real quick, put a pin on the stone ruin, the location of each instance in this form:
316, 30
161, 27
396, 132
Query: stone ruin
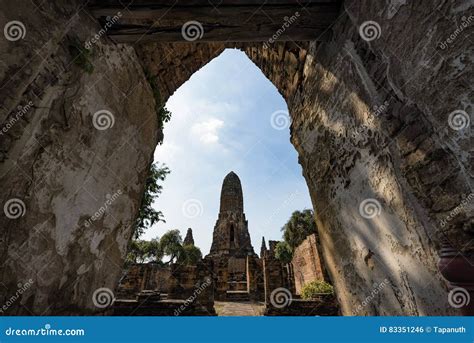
385, 119
232, 271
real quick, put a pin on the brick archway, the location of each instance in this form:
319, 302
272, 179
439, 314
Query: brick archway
364, 122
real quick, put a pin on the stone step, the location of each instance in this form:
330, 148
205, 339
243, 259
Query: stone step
237, 296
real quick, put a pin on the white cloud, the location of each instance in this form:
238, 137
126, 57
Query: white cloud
208, 131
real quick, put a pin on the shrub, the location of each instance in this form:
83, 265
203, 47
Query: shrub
312, 289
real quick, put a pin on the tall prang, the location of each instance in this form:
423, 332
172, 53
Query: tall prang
231, 236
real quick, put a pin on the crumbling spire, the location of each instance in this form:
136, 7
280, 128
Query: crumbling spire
263, 248
189, 240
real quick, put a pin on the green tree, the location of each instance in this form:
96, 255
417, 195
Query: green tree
300, 225
154, 250
172, 245
137, 251
141, 251
147, 215
190, 255
283, 252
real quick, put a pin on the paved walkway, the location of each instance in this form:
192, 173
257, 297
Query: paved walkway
234, 308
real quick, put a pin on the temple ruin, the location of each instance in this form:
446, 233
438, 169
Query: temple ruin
380, 118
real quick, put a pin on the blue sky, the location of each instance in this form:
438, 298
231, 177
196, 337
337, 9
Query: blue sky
228, 116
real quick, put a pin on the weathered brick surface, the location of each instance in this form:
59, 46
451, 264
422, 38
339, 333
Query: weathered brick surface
406, 156
306, 263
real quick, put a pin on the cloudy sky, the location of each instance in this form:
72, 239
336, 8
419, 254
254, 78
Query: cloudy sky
228, 116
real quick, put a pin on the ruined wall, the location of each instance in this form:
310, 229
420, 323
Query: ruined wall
306, 263
371, 126
67, 200
370, 121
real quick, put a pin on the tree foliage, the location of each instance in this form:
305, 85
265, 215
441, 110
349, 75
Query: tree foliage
190, 255
172, 245
300, 225
283, 252
147, 215
141, 251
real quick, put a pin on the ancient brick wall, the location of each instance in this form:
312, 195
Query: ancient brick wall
405, 155
60, 166
306, 263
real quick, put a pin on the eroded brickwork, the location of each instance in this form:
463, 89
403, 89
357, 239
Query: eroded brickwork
307, 263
